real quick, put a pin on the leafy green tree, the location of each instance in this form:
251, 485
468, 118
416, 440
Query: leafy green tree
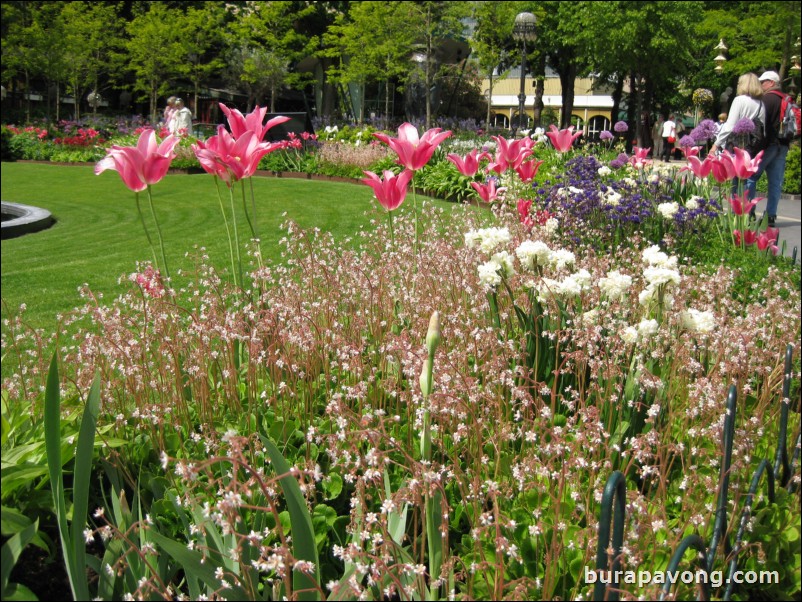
431, 23
200, 32
155, 52
22, 45
269, 38
89, 34
370, 43
491, 41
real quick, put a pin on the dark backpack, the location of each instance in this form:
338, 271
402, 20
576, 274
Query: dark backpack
789, 125
756, 139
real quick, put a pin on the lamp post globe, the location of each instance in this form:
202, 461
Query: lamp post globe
524, 30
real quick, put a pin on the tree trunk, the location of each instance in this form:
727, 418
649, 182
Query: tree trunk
567, 79
489, 101
618, 91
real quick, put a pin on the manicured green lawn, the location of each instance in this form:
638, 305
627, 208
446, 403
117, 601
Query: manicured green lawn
98, 236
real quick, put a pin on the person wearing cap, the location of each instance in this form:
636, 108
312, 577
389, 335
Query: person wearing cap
773, 162
182, 122
747, 105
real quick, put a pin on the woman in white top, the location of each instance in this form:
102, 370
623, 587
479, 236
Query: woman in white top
748, 104
669, 131
182, 121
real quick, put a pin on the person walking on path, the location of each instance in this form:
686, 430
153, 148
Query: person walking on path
774, 155
669, 136
748, 104
657, 137
182, 121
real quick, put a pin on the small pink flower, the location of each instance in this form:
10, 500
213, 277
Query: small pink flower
252, 122
701, 169
390, 191
141, 165
488, 191
640, 159
150, 281
745, 166
413, 151
467, 166
741, 206
562, 140
527, 170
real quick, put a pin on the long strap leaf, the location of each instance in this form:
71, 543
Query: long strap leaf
303, 535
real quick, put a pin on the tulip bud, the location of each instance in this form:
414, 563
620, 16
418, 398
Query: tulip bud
426, 378
433, 334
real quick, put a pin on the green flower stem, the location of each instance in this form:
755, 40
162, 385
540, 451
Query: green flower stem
158, 232
145, 227
236, 237
228, 230
392, 235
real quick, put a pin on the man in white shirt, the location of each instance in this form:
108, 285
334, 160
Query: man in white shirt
669, 137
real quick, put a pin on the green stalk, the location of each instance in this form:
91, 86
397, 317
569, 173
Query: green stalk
228, 231
236, 237
145, 227
159, 232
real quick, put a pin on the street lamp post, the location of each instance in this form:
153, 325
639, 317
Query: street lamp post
523, 31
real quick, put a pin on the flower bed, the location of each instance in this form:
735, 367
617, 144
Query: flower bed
434, 413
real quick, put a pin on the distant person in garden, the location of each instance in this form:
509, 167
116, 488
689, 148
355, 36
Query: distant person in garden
183, 119
657, 137
669, 136
722, 119
775, 151
169, 113
748, 104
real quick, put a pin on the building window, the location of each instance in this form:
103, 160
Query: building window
596, 126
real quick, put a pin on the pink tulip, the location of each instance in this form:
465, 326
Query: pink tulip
467, 166
745, 166
231, 159
392, 190
488, 191
141, 165
741, 206
768, 239
524, 207
701, 169
509, 153
690, 151
413, 152
641, 158
562, 139
528, 170
252, 122
723, 167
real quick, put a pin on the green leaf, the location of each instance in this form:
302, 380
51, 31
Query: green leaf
11, 551
303, 536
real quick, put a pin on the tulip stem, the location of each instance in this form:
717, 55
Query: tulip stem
145, 227
228, 230
158, 232
236, 238
392, 235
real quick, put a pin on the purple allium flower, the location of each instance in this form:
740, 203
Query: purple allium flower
605, 135
620, 126
619, 161
687, 141
706, 130
744, 126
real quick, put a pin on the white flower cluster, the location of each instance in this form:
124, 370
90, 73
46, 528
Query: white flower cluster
615, 284
570, 286
698, 321
661, 275
643, 331
487, 239
604, 171
693, 203
668, 210
500, 266
610, 197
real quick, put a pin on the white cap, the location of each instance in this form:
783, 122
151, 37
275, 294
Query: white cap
770, 75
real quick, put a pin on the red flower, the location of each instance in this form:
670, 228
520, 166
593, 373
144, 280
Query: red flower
141, 165
413, 152
392, 190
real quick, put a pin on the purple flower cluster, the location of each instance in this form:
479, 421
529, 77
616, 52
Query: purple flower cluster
743, 126
620, 126
687, 141
619, 161
706, 130
578, 201
606, 135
